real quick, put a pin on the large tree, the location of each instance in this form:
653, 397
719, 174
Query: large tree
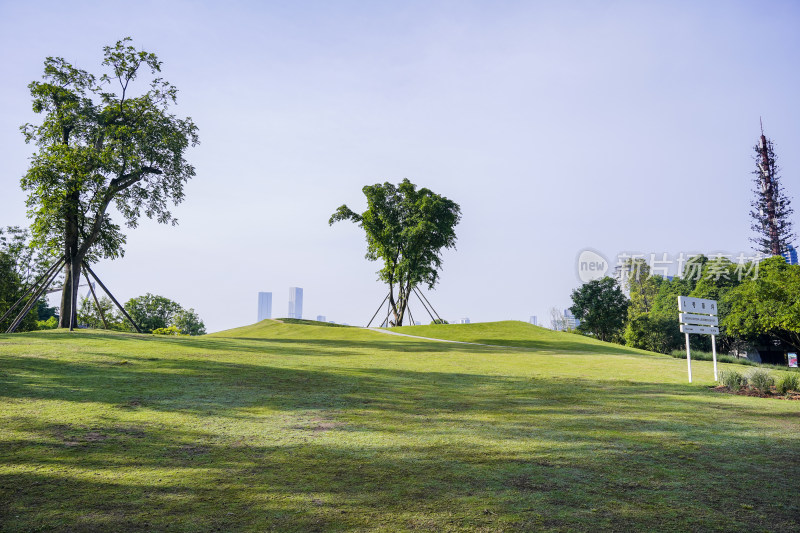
102, 143
406, 228
767, 304
601, 308
772, 209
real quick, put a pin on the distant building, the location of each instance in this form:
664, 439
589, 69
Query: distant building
567, 323
264, 306
464, 321
295, 302
532, 320
321, 318
790, 255
570, 321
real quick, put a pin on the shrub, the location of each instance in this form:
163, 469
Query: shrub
50, 323
698, 355
172, 330
761, 380
733, 380
789, 382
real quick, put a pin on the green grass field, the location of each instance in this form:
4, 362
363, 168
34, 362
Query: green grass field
293, 427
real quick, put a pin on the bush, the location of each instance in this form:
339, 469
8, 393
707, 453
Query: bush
761, 380
172, 330
50, 323
698, 355
789, 382
733, 380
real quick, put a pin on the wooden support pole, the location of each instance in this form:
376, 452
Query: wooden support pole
388, 312
378, 311
32, 302
419, 292
96, 301
426, 309
124, 312
33, 287
408, 308
73, 308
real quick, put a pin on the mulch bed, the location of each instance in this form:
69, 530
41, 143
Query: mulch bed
791, 395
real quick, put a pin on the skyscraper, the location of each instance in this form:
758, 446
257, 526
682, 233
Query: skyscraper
295, 302
532, 320
570, 321
264, 305
790, 255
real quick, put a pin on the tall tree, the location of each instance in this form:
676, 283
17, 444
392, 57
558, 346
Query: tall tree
99, 144
407, 229
601, 308
771, 208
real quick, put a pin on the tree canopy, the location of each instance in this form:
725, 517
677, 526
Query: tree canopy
102, 143
601, 307
406, 228
767, 305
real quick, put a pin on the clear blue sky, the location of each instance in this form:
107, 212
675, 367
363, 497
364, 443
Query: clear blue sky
556, 126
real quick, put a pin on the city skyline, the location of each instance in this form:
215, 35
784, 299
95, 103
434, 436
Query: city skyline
550, 124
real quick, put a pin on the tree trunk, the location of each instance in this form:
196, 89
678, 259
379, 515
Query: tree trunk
68, 313
398, 307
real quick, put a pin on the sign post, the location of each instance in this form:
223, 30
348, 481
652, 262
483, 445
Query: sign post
699, 316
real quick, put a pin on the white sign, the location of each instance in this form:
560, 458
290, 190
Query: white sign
699, 316
703, 330
700, 320
697, 305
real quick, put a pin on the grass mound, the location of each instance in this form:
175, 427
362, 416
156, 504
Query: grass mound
518, 334
292, 427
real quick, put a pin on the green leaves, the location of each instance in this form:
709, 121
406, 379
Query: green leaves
601, 307
101, 142
768, 305
407, 229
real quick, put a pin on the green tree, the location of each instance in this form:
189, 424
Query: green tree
90, 316
407, 229
601, 308
720, 275
188, 322
100, 145
767, 305
152, 311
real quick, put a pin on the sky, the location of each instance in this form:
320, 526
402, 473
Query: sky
620, 127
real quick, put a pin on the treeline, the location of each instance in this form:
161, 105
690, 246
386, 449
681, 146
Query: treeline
21, 265
759, 305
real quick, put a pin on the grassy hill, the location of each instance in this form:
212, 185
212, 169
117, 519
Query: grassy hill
295, 427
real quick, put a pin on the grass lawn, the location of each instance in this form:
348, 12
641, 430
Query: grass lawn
294, 427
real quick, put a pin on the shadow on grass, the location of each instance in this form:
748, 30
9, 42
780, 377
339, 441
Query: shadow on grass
344, 449
405, 450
